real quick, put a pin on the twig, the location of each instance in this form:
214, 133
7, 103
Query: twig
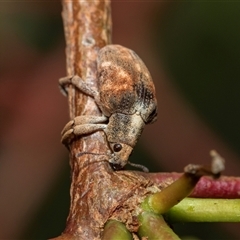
87, 26
97, 192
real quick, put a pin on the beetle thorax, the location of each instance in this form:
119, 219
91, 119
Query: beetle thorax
123, 128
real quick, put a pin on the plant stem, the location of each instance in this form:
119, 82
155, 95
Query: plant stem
205, 210
87, 27
162, 201
154, 227
116, 230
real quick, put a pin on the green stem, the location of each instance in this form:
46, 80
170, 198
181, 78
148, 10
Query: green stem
205, 210
162, 201
116, 230
153, 227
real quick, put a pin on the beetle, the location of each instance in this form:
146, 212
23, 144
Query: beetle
126, 97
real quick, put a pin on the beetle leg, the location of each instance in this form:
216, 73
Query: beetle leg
78, 83
83, 120
63, 82
82, 125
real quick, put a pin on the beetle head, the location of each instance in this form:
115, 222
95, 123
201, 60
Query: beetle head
122, 134
120, 155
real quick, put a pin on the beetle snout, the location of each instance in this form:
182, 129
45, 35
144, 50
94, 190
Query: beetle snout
116, 166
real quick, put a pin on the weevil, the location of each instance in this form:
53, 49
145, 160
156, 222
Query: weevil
126, 97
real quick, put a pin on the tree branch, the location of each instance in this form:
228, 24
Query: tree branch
97, 192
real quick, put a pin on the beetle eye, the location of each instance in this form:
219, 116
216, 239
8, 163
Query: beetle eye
117, 147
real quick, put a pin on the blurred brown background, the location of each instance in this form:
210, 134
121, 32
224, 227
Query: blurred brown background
193, 52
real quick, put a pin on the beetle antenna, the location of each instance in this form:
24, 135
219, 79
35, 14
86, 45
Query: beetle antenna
145, 169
